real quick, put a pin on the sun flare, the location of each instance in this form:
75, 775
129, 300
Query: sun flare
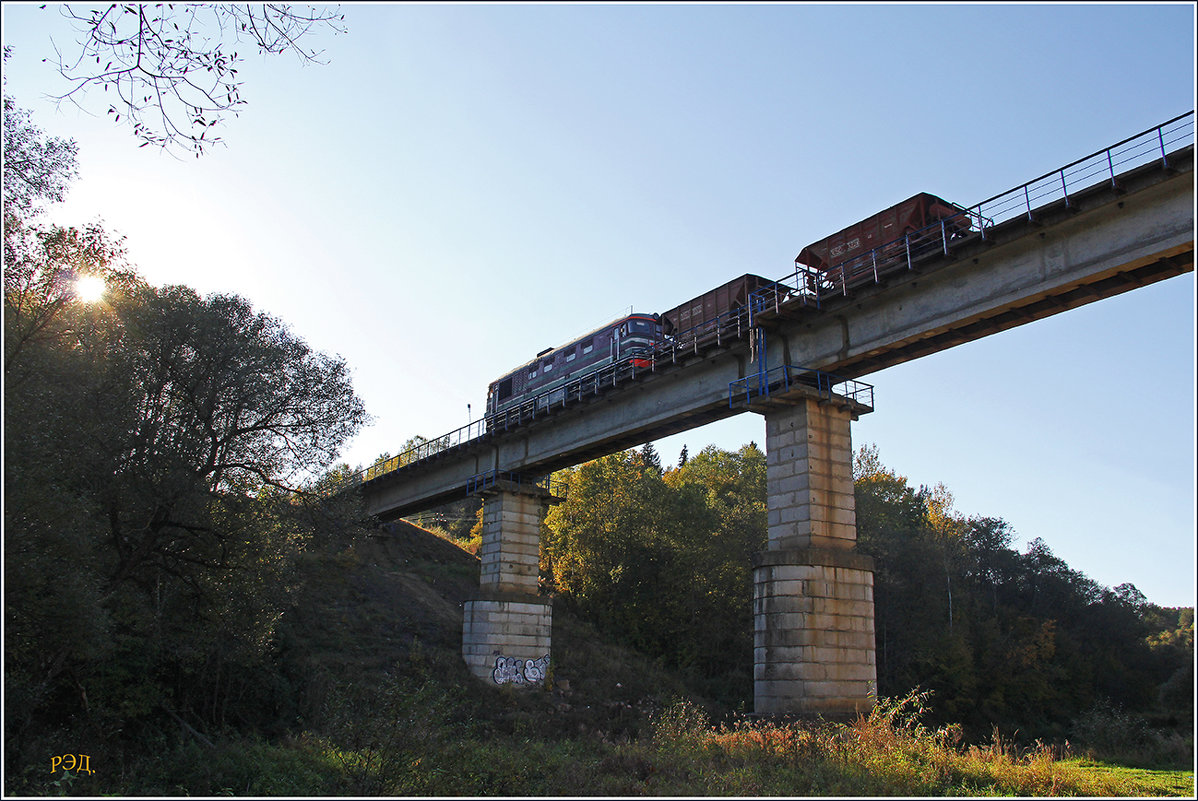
90, 288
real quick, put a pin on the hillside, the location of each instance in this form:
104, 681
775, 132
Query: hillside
372, 643
391, 606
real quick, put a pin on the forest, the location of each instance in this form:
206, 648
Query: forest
659, 560
193, 606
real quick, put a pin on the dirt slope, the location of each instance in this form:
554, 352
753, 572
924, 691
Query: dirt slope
397, 597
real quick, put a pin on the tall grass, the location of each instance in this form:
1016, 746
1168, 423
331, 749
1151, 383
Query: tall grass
888, 752
412, 735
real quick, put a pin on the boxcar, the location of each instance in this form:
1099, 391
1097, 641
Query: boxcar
630, 338
895, 222
703, 313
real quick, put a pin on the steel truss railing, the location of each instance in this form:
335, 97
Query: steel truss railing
810, 286
782, 379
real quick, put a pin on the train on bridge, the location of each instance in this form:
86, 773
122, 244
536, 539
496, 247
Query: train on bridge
887, 244
634, 340
637, 341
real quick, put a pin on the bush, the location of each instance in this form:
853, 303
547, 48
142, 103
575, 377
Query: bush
1110, 733
1106, 729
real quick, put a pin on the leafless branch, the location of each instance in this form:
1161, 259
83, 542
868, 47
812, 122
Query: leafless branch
173, 67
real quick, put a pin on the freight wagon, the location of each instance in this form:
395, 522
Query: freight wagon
716, 312
887, 235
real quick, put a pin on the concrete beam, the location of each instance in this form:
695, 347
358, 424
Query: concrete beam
1106, 242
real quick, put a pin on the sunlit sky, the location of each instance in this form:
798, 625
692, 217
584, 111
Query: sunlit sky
462, 186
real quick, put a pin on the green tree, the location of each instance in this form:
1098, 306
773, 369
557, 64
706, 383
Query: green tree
1002, 637
37, 168
174, 441
893, 526
164, 456
661, 560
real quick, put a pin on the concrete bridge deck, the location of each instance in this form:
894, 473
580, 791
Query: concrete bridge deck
1134, 230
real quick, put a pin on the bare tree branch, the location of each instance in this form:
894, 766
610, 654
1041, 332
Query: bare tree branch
173, 67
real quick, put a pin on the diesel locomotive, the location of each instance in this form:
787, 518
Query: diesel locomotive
630, 338
633, 340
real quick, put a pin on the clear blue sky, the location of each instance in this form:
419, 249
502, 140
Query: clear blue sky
466, 185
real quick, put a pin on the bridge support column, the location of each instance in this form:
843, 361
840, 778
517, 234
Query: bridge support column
506, 629
813, 603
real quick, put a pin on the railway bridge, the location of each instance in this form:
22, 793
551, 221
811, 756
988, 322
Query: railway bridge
1113, 221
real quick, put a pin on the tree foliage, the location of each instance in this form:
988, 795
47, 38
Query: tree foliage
37, 168
1001, 636
164, 456
660, 560
172, 68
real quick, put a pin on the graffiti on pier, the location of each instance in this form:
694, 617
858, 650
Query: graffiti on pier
509, 670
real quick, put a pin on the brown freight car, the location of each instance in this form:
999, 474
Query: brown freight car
713, 309
885, 227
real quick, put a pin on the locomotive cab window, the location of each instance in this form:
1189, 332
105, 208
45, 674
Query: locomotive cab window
570, 356
505, 389
587, 348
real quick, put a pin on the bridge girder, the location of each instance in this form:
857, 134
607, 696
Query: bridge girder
1107, 240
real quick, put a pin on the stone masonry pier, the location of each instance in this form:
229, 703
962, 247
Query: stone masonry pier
813, 608
506, 630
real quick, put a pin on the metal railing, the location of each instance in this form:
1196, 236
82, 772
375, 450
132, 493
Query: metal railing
809, 286
1152, 145
781, 379
481, 481
1060, 185
424, 450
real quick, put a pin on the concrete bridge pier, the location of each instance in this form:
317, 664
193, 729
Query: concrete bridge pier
813, 609
506, 629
